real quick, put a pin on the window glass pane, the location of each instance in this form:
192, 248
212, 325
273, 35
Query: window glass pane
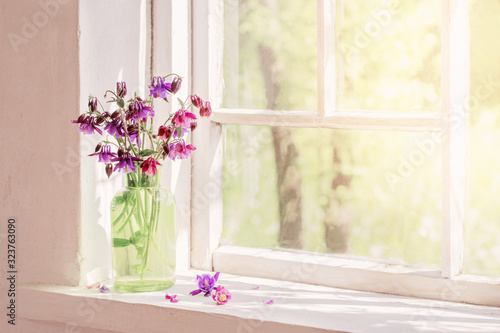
270, 54
388, 55
482, 248
366, 193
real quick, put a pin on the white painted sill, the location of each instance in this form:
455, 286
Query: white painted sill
297, 308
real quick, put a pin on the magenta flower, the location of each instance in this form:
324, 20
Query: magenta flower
269, 302
137, 110
149, 166
221, 295
164, 132
183, 118
115, 128
172, 299
206, 284
159, 88
87, 125
206, 110
196, 101
125, 162
105, 154
180, 150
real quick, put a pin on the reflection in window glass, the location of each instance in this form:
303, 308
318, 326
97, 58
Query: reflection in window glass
482, 248
388, 55
270, 54
366, 193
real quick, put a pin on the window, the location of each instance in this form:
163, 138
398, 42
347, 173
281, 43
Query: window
341, 137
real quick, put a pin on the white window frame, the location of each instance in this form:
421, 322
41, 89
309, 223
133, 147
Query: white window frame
335, 271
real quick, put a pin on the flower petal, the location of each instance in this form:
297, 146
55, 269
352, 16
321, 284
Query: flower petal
195, 292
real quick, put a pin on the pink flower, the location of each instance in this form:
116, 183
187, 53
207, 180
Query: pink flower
183, 118
149, 166
180, 150
164, 132
221, 295
172, 299
268, 302
196, 101
206, 110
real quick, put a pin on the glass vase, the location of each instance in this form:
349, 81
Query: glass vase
143, 235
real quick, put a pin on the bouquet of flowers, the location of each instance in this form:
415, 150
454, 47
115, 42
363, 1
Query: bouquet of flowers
143, 214
131, 127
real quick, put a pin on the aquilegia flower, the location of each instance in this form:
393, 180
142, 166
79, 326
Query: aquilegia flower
196, 101
115, 128
180, 150
183, 118
105, 154
92, 104
125, 162
149, 166
87, 125
138, 111
206, 110
206, 283
121, 89
159, 88
221, 295
164, 132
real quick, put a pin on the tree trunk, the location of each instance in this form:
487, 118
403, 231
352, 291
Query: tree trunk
338, 217
289, 178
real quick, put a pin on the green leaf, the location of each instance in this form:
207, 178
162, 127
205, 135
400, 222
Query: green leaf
118, 200
120, 242
147, 152
120, 102
181, 103
179, 132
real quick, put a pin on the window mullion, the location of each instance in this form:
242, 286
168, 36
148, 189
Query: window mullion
326, 56
455, 88
206, 188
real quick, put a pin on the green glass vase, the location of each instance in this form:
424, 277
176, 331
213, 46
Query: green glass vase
143, 235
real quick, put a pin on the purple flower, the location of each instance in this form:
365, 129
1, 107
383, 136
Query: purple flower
206, 283
175, 86
104, 289
180, 150
115, 128
125, 162
137, 110
87, 125
105, 154
121, 89
133, 133
183, 118
92, 104
159, 88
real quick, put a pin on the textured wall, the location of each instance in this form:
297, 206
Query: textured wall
40, 182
